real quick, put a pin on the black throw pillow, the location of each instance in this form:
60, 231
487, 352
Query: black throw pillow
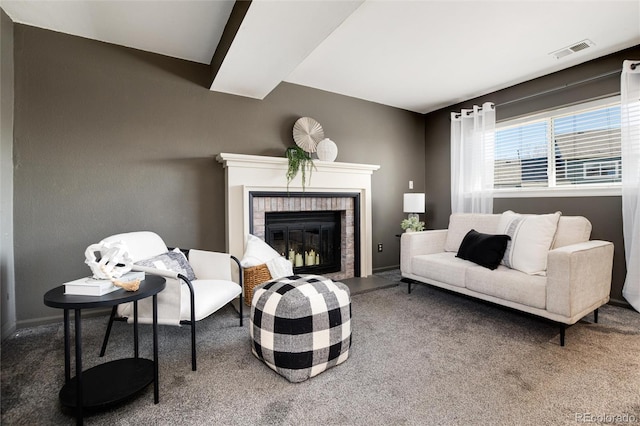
484, 249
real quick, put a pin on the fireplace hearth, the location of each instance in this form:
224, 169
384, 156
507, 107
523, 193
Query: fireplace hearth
309, 239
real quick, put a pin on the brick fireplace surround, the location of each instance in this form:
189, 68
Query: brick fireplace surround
347, 204
250, 179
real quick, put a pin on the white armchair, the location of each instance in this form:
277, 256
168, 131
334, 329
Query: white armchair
184, 301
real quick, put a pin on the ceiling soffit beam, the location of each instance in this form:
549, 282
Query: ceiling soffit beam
273, 38
231, 28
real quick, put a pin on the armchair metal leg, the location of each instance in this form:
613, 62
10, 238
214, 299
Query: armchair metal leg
192, 322
193, 346
241, 282
108, 332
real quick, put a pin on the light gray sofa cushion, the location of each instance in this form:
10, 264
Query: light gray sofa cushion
445, 267
509, 284
572, 230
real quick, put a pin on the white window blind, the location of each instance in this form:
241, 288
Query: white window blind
569, 148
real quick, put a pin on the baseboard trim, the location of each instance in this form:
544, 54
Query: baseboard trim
87, 313
385, 268
8, 330
620, 303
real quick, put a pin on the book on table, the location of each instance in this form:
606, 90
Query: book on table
89, 286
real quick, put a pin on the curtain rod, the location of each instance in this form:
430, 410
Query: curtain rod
566, 86
469, 111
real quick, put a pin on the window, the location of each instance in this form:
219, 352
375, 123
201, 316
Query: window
572, 148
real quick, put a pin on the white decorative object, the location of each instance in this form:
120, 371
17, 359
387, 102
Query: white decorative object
307, 132
114, 260
327, 150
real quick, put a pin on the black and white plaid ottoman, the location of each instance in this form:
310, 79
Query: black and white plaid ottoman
301, 325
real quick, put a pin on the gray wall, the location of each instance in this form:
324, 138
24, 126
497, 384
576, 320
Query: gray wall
7, 282
110, 139
605, 213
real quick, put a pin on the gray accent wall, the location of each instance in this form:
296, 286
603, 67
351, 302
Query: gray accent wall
7, 276
574, 85
109, 139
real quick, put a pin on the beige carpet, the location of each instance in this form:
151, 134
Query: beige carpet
426, 358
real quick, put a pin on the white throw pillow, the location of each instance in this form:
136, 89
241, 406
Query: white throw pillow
531, 239
170, 261
257, 252
461, 223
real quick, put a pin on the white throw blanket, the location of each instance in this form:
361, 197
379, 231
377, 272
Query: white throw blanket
279, 267
258, 252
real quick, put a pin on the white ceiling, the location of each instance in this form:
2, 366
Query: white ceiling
415, 55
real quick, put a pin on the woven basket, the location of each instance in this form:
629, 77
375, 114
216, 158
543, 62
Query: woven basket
253, 277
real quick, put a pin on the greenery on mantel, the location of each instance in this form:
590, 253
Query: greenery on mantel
299, 161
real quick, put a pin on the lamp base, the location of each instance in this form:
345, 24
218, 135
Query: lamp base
414, 215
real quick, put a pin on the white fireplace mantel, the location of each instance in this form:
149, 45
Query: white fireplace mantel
254, 173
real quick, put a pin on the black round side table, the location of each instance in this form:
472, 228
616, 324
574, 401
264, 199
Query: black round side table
112, 382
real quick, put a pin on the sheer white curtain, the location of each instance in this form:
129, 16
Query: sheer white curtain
472, 159
630, 122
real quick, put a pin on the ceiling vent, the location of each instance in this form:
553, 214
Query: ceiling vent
581, 45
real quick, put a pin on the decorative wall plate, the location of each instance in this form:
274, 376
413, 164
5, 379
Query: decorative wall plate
307, 132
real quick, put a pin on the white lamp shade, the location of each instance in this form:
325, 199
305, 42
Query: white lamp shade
414, 203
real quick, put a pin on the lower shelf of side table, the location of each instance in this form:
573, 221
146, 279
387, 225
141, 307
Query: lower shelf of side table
109, 383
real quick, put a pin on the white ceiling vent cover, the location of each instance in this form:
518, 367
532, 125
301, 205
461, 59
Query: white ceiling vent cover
581, 45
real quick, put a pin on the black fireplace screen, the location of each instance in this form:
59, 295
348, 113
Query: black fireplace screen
310, 240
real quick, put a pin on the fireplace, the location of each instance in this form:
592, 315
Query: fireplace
256, 185
324, 212
310, 240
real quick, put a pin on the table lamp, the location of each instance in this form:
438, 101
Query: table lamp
413, 204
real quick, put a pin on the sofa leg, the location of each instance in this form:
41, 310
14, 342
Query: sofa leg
595, 316
562, 330
408, 281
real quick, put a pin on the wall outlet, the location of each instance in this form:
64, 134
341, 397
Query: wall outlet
379, 247
410, 184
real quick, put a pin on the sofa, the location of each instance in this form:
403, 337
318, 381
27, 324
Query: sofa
572, 276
